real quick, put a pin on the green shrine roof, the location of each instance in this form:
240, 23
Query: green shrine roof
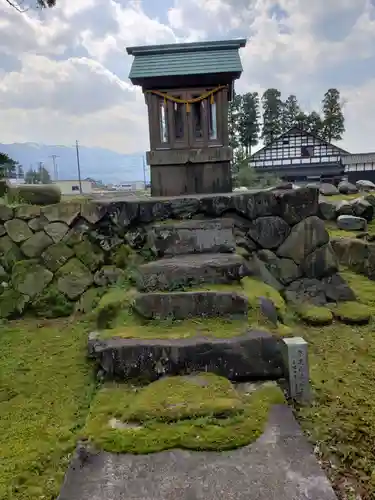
180, 59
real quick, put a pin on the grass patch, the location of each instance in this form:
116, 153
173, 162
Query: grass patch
202, 431
342, 418
352, 196
115, 318
45, 392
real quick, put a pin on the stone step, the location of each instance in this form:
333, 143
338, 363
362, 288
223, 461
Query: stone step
193, 236
253, 355
183, 305
190, 270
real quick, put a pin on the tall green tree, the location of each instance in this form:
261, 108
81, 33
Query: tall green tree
290, 112
8, 167
40, 4
234, 113
314, 123
272, 115
249, 122
333, 117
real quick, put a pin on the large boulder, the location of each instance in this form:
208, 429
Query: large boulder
36, 194
364, 185
304, 238
90, 254
351, 252
62, 212
35, 246
321, 262
284, 270
362, 208
269, 232
108, 275
38, 223
9, 252
351, 223
30, 278
27, 212
73, 279
297, 204
327, 189
337, 289
344, 207
18, 230
327, 209
346, 187
310, 290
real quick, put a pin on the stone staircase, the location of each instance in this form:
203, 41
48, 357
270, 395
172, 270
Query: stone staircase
197, 274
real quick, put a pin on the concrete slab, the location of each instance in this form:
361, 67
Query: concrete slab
280, 465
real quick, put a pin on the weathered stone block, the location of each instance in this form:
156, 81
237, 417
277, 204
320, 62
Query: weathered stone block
9, 252
321, 262
30, 278
346, 187
284, 270
337, 289
62, 212
327, 210
38, 223
88, 253
255, 204
18, 230
27, 212
181, 305
77, 233
56, 230
35, 246
343, 207
304, 238
188, 270
184, 208
188, 237
92, 212
253, 355
56, 256
298, 204
362, 208
327, 189
258, 268
2, 230
6, 213
269, 232
73, 279
306, 290
352, 252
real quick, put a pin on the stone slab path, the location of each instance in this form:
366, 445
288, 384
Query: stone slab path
280, 465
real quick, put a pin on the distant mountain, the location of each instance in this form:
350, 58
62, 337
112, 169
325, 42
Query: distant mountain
97, 163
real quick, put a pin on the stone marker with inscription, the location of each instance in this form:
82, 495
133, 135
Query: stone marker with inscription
297, 369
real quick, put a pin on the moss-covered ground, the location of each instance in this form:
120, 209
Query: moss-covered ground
339, 197
335, 232
46, 388
47, 392
199, 412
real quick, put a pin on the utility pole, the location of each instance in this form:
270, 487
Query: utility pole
40, 172
144, 171
55, 173
78, 168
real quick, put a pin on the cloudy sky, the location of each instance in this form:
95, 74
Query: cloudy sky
64, 73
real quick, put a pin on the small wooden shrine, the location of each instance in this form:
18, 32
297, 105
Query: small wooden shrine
187, 88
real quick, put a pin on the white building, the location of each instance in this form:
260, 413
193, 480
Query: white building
72, 187
130, 186
360, 166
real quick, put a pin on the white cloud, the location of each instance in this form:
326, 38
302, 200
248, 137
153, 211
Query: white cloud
64, 72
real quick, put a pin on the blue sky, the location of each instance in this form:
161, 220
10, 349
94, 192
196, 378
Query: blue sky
64, 73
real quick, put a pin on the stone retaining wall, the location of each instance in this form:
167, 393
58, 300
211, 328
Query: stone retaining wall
61, 257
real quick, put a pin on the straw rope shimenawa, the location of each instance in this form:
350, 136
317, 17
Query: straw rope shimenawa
188, 102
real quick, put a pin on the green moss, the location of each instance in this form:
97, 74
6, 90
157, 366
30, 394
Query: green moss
314, 315
45, 389
255, 288
352, 313
12, 303
52, 304
157, 432
122, 256
111, 304
90, 300
175, 398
